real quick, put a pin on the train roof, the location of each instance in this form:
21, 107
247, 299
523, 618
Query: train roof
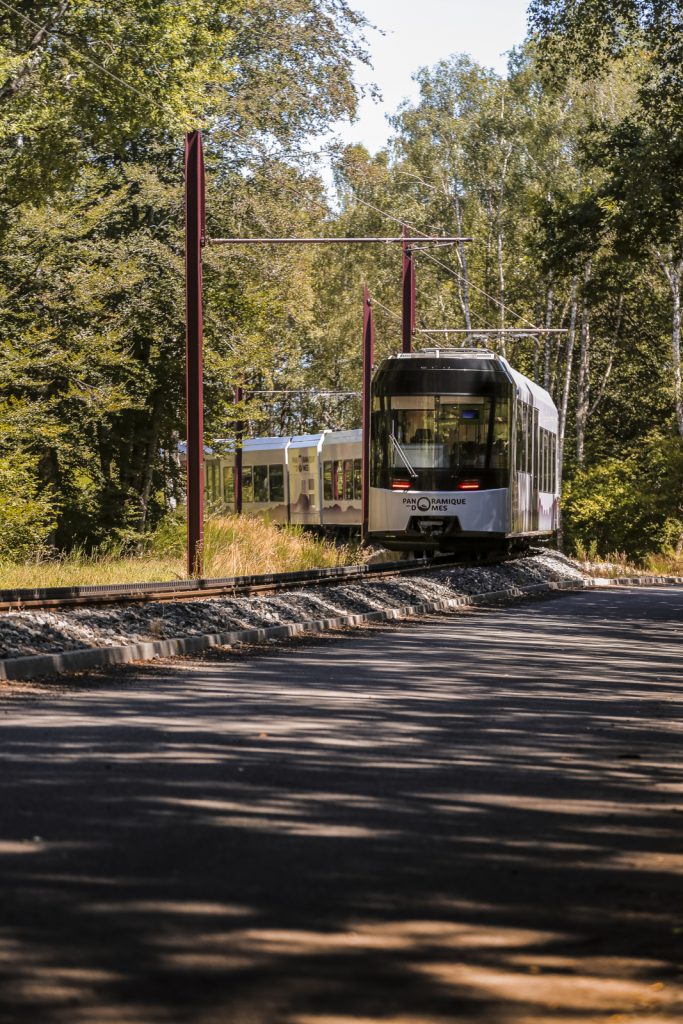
537, 396
226, 445
342, 437
306, 440
486, 362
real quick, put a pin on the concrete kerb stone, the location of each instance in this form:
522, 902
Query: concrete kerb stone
36, 665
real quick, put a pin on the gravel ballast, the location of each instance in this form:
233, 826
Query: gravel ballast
45, 643
24, 633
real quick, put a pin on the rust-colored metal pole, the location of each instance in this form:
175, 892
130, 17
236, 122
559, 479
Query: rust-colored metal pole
368, 360
408, 293
195, 233
239, 441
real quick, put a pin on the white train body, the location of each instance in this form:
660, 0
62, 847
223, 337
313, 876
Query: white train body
463, 452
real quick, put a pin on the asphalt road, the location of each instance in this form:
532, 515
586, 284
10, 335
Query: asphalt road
471, 818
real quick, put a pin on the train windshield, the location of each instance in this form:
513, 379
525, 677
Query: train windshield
437, 438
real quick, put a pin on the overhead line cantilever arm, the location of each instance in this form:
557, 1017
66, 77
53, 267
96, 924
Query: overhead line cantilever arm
333, 239
493, 330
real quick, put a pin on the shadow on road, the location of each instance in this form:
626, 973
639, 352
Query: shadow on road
474, 818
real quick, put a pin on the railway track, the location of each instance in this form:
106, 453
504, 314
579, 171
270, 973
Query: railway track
230, 586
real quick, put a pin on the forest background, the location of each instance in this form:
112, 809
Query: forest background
567, 172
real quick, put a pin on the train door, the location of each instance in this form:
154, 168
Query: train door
515, 487
523, 474
304, 480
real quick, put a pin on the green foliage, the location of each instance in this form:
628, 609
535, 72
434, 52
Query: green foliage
631, 503
524, 169
93, 103
27, 512
563, 172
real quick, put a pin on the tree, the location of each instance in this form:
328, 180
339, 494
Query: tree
642, 152
93, 102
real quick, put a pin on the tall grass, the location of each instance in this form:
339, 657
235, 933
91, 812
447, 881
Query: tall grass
664, 564
233, 546
617, 563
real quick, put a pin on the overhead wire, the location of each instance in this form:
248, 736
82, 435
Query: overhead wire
395, 315
481, 291
376, 302
445, 266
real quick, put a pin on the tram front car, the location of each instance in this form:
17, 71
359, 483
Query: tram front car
461, 447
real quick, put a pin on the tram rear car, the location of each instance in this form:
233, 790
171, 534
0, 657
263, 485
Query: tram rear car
463, 454
310, 480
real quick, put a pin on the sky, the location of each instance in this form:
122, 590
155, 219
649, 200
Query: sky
419, 33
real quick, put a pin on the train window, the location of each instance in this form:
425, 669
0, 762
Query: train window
542, 460
437, 436
260, 483
228, 485
537, 448
276, 476
551, 462
327, 481
337, 480
357, 479
212, 470
553, 465
247, 484
440, 432
348, 479
415, 401
551, 481
501, 434
522, 437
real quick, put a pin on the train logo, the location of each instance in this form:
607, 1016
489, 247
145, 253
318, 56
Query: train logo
425, 504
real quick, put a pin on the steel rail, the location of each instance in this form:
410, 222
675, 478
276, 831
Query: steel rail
228, 586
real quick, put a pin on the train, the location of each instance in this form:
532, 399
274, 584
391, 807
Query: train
463, 456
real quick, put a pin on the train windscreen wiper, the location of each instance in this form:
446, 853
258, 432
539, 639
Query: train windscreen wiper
403, 457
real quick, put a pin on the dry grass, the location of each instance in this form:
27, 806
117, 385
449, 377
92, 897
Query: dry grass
617, 563
245, 546
233, 545
664, 565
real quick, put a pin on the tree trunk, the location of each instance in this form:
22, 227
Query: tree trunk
564, 404
148, 464
564, 400
499, 248
548, 342
676, 349
556, 364
673, 271
583, 383
464, 280
610, 361
501, 288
